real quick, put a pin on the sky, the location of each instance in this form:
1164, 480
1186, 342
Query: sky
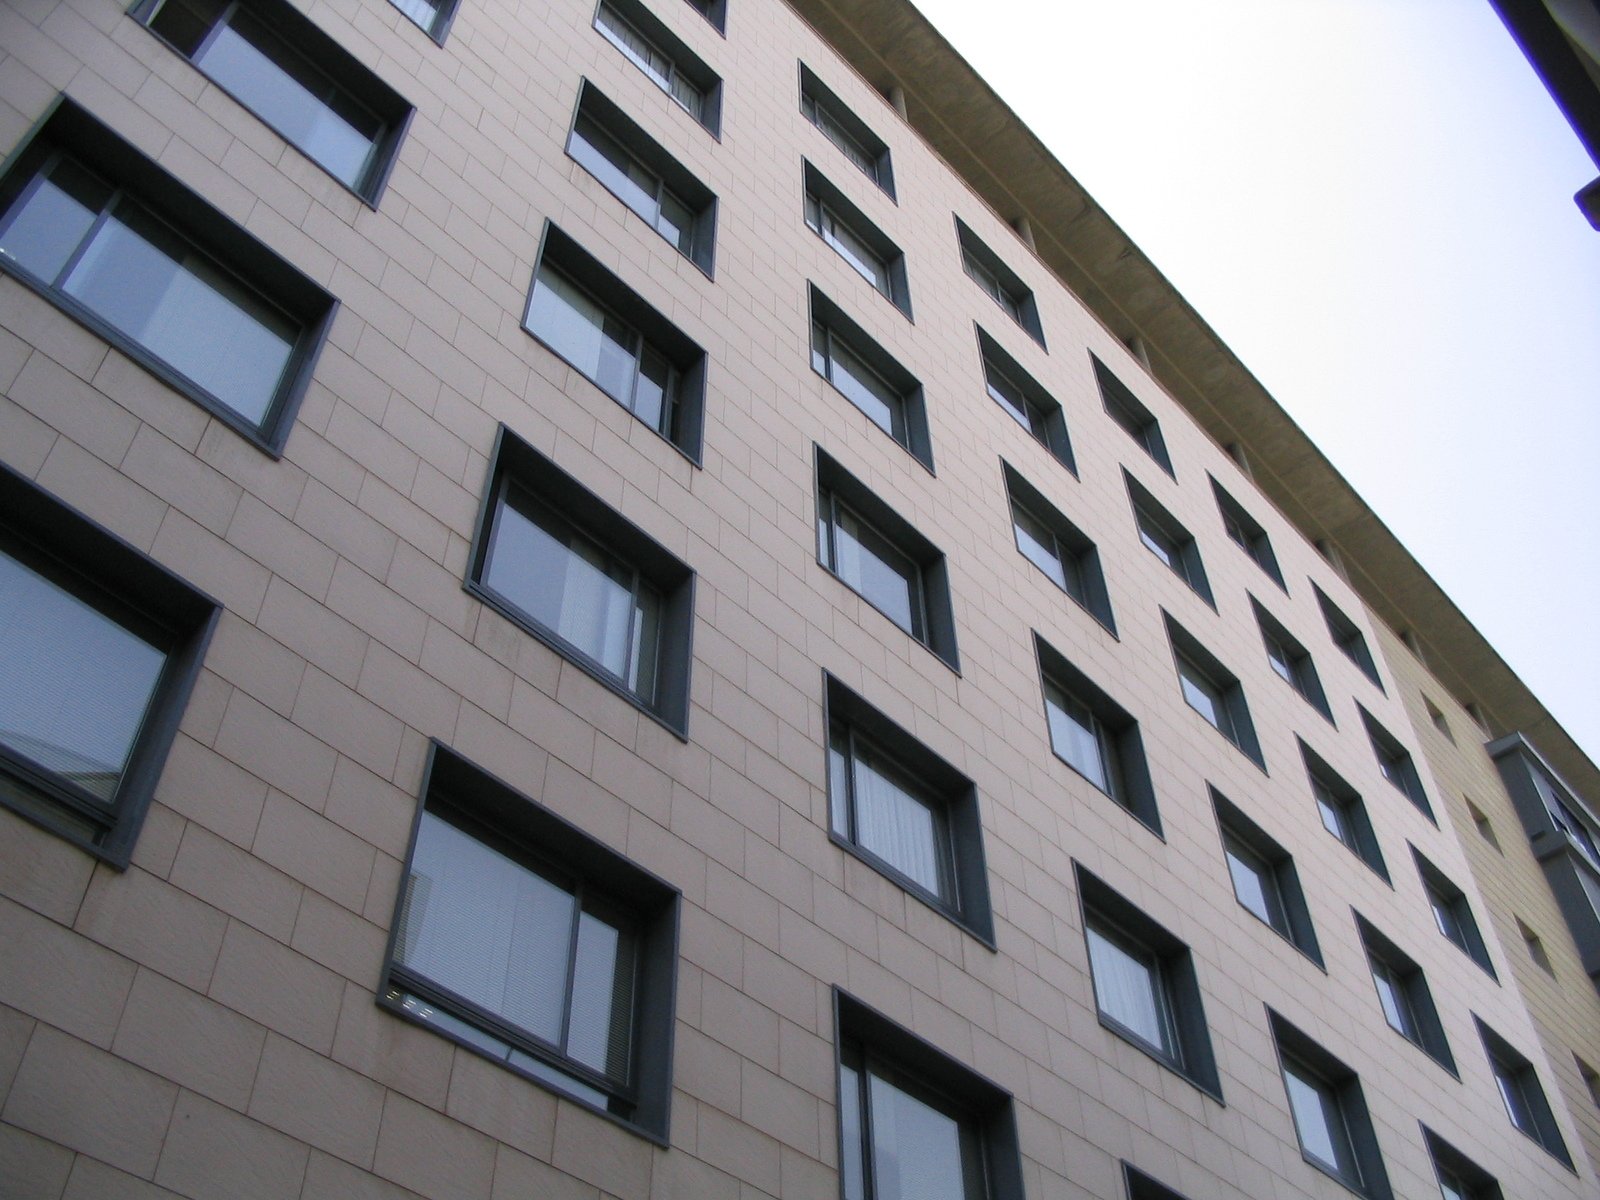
1370, 201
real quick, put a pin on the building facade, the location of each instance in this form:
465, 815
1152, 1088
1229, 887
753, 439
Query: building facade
647, 600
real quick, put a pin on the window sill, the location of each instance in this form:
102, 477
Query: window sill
915, 890
1112, 1025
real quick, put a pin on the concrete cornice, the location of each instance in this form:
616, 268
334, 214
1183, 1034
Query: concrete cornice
961, 118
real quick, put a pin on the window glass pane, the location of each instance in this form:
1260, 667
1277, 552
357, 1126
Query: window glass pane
897, 824
1320, 1122
74, 684
1282, 662
1010, 397
1516, 1100
47, 224
853, 250
870, 564
145, 281
842, 138
675, 222
863, 387
424, 12
1159, 542
277, 84
583, 333
599, 1031
1254, 884
1039, 546
1203, 695
1392, 996
605, 159
1076, 736
570, 586
487, 928
916, 1149
852, 1178
1444, 916
1127, 987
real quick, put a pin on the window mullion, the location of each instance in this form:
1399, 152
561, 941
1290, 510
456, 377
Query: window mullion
572, 969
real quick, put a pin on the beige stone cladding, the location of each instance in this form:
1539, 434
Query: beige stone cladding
205, 1022
1518, 902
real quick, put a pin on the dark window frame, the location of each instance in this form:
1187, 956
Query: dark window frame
1132, 416
1298, 669
69, 131
1296, 927
685, 426
1247, 533
1141, 1186
1397, 765
1442, 894
1347, 635
837, 485
1512, 1071
514, 463
1295, 1050
518, 824
906, 1061
1176, 985
1047, 423
594, 106
684, 61
131, 589
821, 191
1470, 1180
439, 29
1116, 731
1358, 837
1072, 543
822, 107
1205, 668
832, 321
1184, 561
323, 54
955, 795
1018, 300
1412, 996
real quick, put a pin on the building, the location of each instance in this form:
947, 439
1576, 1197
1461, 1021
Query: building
649, 600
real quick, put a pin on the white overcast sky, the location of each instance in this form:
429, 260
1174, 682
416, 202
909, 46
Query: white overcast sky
1371, 202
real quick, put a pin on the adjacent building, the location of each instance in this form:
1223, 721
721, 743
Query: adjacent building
646, 599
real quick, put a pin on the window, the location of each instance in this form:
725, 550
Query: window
855, 239
1535, 947
1264, 879
1330, 1113
1145, 985
1169, 541
1451, 912
1591, 1079
297, 79
905, 811
1395, 765
914, 1124
99, 649
586, 316
1480, 822
662, 56
1342, 812
1348, 637
637, 171
1436, 715
1404, 996
551, 557
1564, 816
985, 268
865, 375
93, 226
1028, 404
1291, 661
1145, 1187
714, 11
1095, 736
1459, 1177
1136, 420
845, 130
1213, 691
1523, 1094
433, 17
518, 937
1247, 534
880, 557
1058, 548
